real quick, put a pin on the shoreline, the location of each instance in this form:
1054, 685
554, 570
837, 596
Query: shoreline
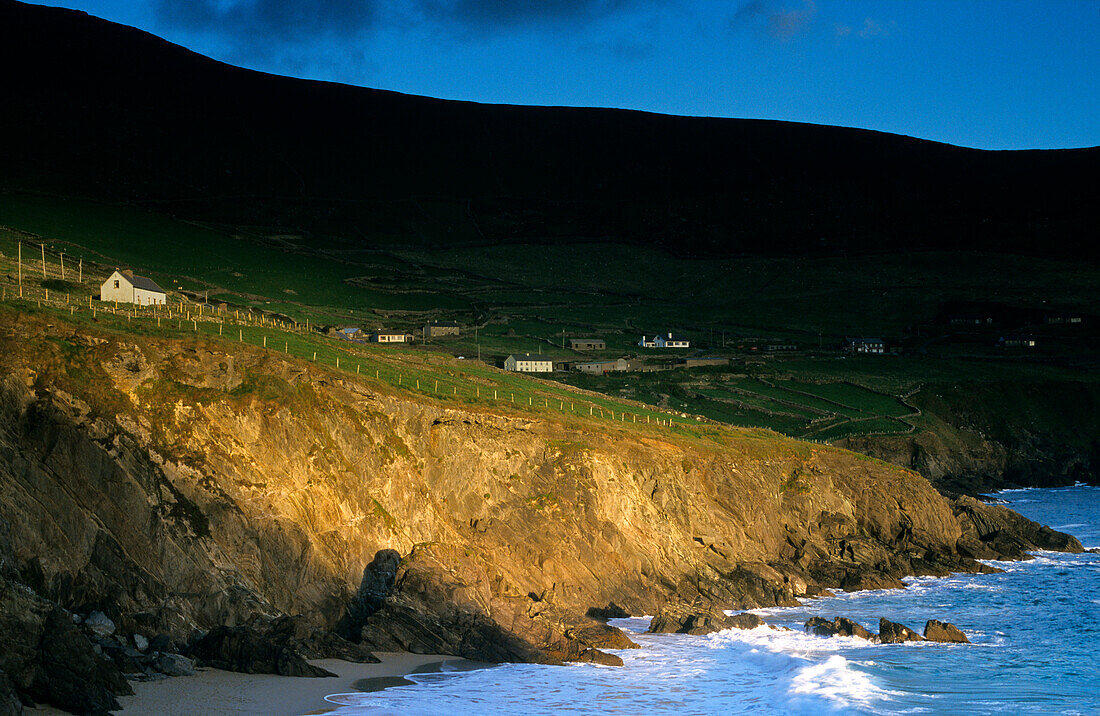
212, 692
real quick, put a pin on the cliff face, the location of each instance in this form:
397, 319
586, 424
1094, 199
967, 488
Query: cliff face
981, 437
177, 486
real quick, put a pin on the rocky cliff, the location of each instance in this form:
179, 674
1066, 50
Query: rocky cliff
976, 437
182, 485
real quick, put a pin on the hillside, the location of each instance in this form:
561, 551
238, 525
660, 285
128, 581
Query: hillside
108, 112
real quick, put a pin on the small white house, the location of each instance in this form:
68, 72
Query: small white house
527, 363
390, 337
124, 287
665, 341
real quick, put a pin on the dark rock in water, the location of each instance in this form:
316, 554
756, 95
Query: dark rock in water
246, 649
595, 656
599, 635
745, 620
10, 705
71, 675
893, 633
611, 611
174, 665
936, 630
996, 532
683, 619
840, 626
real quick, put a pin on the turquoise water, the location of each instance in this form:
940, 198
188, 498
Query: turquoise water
1034, 630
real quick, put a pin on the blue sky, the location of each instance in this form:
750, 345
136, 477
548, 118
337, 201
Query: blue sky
994, 74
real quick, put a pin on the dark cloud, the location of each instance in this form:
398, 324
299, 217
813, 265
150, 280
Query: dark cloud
278, 19
779, 21
283, 19
490, 13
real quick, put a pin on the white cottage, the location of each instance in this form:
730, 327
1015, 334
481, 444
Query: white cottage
124, 287
527, 363
666, 341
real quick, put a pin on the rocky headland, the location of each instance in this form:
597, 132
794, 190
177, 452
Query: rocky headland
232, 505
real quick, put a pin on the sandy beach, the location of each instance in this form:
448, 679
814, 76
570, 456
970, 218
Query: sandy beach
213, 692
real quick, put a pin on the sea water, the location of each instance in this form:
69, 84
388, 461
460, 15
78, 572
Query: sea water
1035, 629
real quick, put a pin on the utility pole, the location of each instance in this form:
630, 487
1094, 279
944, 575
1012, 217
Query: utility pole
62, 267
563, 339
43, 260
81, 271
20, 268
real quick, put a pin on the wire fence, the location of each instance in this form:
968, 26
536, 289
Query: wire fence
182, 316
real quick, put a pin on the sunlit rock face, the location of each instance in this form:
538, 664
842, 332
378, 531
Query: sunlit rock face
177, 487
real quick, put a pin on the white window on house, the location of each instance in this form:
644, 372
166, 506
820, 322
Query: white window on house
116, 283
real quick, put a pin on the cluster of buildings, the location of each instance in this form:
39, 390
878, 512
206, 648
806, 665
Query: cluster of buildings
435, 329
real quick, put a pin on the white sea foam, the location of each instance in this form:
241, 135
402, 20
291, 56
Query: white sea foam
838, 684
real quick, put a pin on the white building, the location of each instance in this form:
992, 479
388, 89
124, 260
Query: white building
874, 346
527, 363
390, 337
665, 341
124, 287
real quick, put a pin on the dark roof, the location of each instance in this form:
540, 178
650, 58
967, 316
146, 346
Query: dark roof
528, 356
444, 324
143, 282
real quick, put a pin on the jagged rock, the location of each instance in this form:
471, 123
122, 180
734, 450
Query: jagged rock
936, 630
376, 585
10, 705
313, 643
70, 675
684, 619
99, 624
595, 656
599, 635
745, 620
161, 642
141, 642
996, 532
174, 665
839, 626
128, 659
893, 633
611, 611
245, 649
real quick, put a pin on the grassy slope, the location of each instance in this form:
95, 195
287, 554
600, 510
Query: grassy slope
526, 297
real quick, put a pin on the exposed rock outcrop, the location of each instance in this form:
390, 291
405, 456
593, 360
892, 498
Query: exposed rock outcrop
936, 630
893, 633
683, 619
996, 532
280, 646
839, 626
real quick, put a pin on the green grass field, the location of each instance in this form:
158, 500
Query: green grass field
528, 298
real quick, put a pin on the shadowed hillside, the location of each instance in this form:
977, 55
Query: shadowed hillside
106, 111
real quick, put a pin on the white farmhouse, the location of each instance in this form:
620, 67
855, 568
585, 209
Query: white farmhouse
666, 341
390, 337
124, 287
527, 363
